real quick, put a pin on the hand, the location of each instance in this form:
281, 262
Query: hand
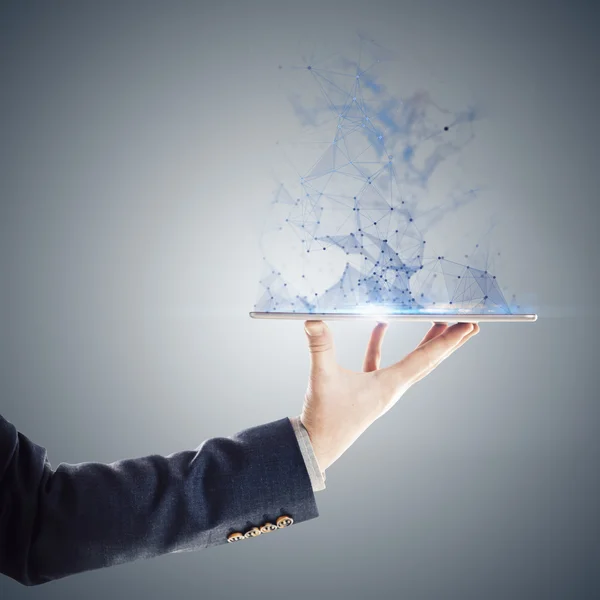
340, 404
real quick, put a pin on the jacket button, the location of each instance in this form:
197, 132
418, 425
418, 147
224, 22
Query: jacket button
235, 537
284, 521
268, 527
252, 532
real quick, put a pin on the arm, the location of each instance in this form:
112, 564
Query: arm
54, 523
87, 516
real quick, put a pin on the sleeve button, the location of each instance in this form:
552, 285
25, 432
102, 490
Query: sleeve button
252, 532
268, 527
284, 521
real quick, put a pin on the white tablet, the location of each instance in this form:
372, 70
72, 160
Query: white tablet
437, 317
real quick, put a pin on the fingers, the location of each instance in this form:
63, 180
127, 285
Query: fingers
464, 340
425, 357
476, 330
373, 355
437, 347
320, 345
435, 330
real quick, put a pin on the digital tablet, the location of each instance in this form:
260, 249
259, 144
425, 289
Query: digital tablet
437, 317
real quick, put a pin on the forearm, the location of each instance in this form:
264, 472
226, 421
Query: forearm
87, 516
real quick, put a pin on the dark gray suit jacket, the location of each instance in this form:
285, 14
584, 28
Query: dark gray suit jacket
54, 523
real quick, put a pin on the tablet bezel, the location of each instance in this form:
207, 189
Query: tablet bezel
429, 317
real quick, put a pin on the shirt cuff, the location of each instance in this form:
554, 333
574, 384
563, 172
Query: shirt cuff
317, 477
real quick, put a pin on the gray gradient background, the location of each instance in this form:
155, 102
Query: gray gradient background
134, 150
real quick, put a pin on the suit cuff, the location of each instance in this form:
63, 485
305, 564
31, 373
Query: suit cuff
317, 477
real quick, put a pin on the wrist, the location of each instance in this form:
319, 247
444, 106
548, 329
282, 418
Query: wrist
322, 455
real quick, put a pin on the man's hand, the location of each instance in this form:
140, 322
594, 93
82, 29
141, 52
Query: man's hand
340, 404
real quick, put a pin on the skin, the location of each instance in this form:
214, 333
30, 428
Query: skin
340, 404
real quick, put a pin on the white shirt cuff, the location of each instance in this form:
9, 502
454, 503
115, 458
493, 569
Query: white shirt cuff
317, 477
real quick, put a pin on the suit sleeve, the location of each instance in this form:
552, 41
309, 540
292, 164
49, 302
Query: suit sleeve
55, 523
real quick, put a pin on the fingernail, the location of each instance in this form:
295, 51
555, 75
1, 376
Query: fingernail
313, 327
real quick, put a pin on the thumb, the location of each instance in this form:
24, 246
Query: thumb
320, 345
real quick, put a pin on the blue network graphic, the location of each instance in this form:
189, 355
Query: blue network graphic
348, 234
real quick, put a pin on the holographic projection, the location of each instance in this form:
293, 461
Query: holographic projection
347, 231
